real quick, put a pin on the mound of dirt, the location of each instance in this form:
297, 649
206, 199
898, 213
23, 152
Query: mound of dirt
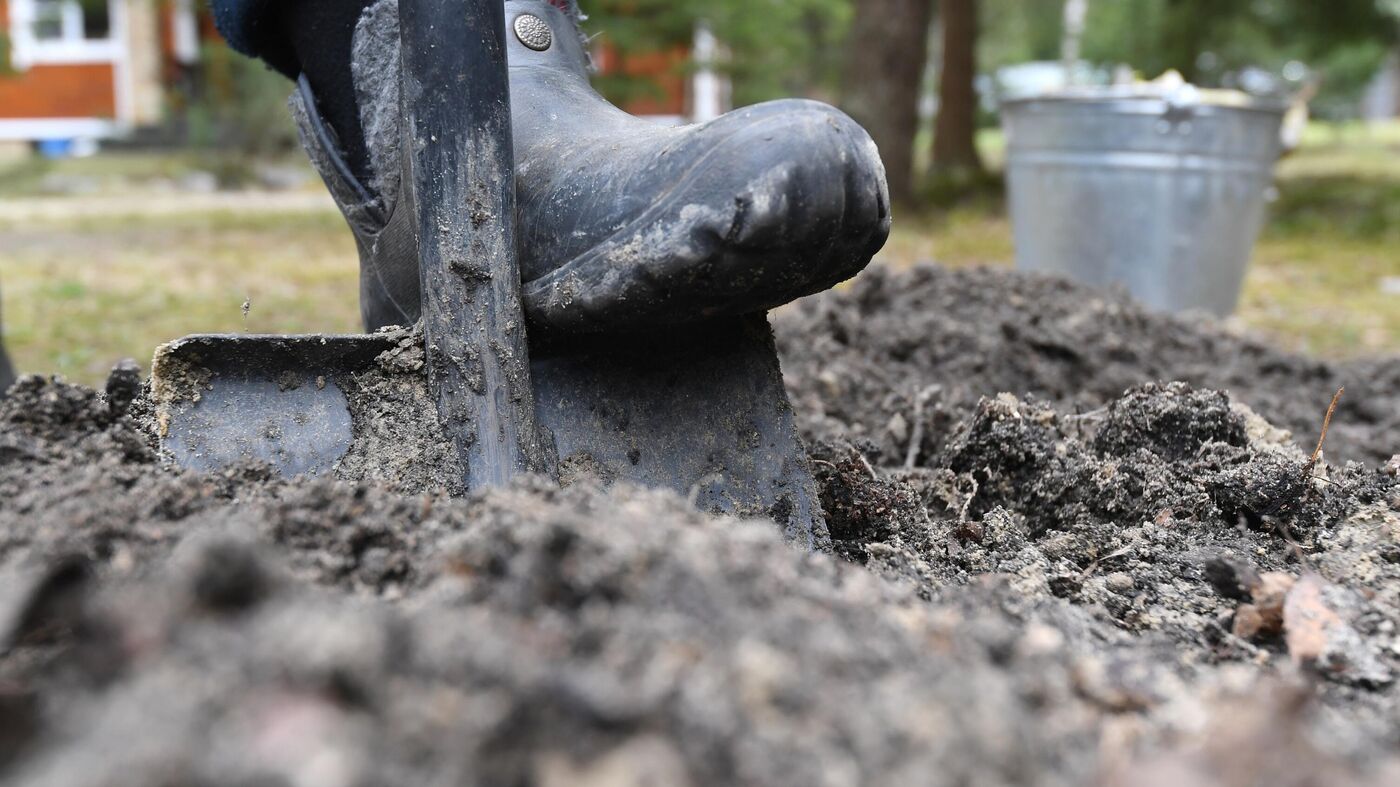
900, 358
1063, 582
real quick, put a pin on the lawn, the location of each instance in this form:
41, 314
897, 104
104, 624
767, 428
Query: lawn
127, 257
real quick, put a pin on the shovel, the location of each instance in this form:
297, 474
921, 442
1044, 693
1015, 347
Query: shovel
221, 399
700, 410
7, 372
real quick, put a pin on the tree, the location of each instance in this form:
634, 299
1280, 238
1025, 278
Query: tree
885, 59
1206, 40
1017, 31
1187, 27
955, 130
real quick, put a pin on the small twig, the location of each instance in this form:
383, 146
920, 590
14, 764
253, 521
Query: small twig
916, 441
1287, 535
967, 504
1245, 645
1326, 424
1309, 477
874, 475
1094, 566
859, 456
1087, 415
1276, 518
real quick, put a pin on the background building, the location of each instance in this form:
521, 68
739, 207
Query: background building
90, 69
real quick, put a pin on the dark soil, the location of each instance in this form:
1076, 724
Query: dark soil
1080, 573
863, 359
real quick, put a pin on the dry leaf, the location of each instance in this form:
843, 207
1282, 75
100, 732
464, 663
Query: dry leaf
1308, 622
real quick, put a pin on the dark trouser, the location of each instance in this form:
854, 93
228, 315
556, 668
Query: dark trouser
278, 31
311, 38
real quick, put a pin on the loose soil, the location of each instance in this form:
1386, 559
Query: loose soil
1073, 544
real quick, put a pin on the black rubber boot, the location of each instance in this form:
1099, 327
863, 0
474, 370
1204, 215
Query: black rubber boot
623, 223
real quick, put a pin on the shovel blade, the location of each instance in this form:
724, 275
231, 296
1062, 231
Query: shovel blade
225, 399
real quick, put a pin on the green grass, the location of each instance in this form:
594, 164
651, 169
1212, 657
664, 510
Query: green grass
123, 173
1333, 238
78, 298
25, 176
80, 294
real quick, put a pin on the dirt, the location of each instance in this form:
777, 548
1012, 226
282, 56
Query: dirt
397, 443
861, 359
1082, 573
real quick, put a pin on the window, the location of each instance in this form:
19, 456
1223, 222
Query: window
97, 21
48, 20
71, 20
62, 31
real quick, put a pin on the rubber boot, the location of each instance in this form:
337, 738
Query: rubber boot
622, 223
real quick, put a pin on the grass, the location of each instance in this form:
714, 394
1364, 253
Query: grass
79, 297
82, 293
27, 176
124, 173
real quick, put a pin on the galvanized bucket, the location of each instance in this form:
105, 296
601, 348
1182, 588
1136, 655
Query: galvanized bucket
1161, 191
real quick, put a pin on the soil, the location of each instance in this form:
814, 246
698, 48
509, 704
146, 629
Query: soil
862, 359
1072, 546
397, 443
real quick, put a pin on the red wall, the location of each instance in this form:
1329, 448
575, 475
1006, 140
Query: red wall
77, 91
66, 91
662, 69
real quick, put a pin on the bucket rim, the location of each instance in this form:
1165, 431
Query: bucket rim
1142, 96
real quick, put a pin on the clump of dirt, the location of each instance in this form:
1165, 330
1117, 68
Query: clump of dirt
899, 359
79, 475
397, 442
1126, 509
1158, 453
1143, 586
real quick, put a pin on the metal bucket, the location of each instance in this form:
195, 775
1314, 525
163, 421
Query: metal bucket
1162, 192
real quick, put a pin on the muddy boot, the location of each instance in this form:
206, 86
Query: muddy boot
622, 223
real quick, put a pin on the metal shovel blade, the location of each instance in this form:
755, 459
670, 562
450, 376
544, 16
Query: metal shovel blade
223, 399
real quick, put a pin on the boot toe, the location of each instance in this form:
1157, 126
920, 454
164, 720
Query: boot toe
759, 207
810, 206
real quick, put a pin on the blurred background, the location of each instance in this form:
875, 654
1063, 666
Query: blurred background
151, 184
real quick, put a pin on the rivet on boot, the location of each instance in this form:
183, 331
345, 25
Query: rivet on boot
533, 32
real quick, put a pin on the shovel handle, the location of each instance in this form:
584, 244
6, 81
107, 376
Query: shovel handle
462, 170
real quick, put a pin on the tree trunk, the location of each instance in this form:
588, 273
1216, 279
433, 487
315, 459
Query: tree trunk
955, 130
884, 69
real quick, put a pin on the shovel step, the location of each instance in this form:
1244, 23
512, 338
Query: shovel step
225, 399
702, 412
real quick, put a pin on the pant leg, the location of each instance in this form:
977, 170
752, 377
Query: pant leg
276, 30
314, 38
254, 27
